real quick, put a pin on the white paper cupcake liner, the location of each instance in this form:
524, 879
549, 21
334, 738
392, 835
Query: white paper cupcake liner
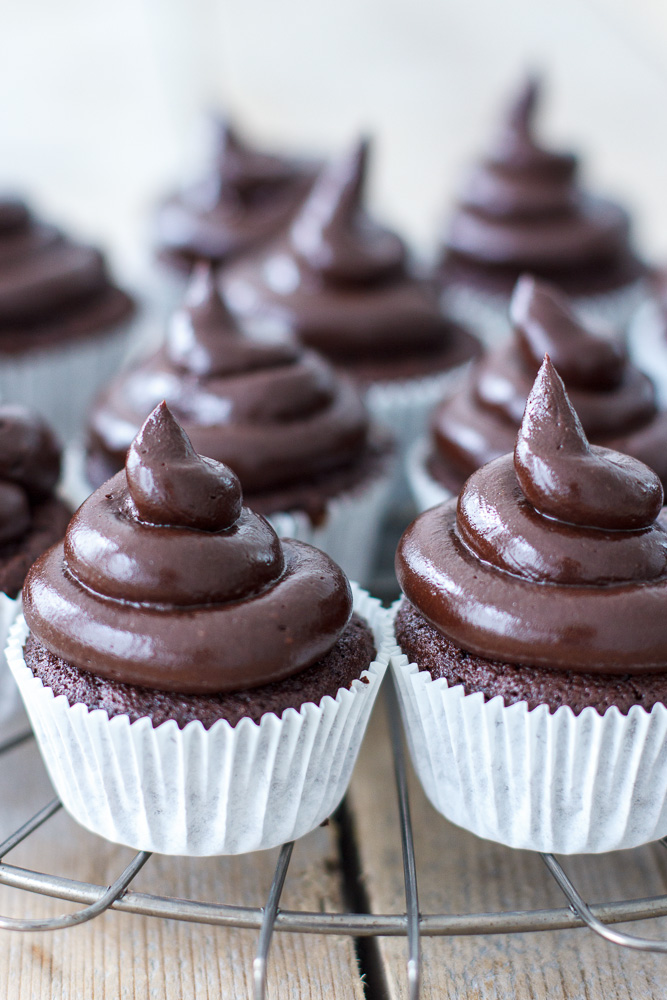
426, 491
194, 791
487, 314
10, 702
349, 530
647, 341
60, 382
554, 782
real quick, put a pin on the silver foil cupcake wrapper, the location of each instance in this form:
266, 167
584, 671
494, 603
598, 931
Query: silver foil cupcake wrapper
193, 791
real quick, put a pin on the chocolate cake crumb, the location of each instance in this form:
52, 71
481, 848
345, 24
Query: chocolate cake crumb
535, 685
351, 655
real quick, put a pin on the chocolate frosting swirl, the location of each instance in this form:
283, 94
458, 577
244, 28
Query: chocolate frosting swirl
49, 282
165, 580
522, 208
246, 197
29, 469
555, 556
275, 413
615, 401
341, 282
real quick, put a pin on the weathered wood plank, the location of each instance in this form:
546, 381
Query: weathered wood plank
120, 956
460, 873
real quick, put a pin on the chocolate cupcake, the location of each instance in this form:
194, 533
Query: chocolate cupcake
534, 680
244, 198
616, 403
216, 679
297, 435
522, 209
63, 322
32, 517
343, 286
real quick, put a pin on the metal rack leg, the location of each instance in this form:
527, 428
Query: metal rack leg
269, 920
583, 910
407, 841
112, 893
16, 741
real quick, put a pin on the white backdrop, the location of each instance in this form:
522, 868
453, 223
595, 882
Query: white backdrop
100, 102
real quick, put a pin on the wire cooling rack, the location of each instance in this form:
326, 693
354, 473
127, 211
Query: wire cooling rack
270, 918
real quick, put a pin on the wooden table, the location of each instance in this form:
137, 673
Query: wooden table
121, 955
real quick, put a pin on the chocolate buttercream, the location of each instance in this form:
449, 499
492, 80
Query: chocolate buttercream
522, 209
615, 401
342, 284
165, 580
49, 285
246, 197
555, 556
274, 412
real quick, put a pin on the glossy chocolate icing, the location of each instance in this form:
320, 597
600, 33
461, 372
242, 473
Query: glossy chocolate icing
29, 469
274, 412
615, 401
341, 282
555, 556
522, 209
245, 198
48, 281
165, 580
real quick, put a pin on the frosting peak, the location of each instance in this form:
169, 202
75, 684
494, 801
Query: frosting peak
516, 146
565, 478
544, 322
170, 484
334, 236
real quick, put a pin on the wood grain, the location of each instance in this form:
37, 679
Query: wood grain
459, 873
120, 956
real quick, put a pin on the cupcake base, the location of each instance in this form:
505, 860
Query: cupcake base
344, 664
197, 791
532, 778
535, 686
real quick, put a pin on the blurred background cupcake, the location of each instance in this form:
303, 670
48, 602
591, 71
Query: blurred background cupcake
64, 323
242, 198
296, 433
616, 402
343, 285
521, 208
